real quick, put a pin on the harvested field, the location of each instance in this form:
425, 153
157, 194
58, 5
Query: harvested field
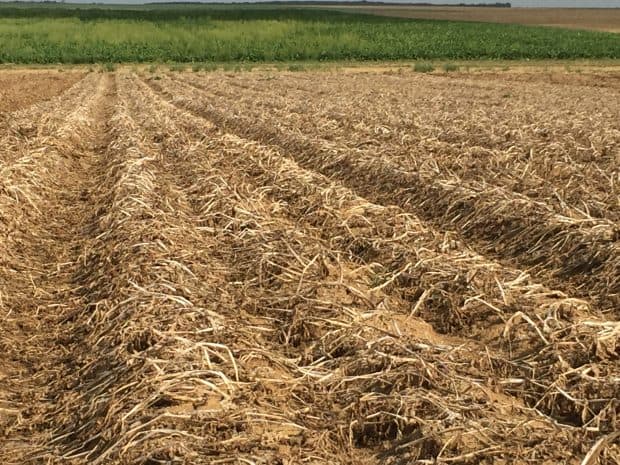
596, 19
17, 92
264, 268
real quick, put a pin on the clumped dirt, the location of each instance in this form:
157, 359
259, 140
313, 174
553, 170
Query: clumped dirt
19, 88
288, 268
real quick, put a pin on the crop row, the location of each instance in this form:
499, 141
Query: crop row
498, 222
79, 35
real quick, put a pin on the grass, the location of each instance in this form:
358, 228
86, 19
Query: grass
423, 67
108, 67
296, 67
184, 33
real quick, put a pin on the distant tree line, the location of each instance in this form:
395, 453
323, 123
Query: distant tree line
290, 2
344, 3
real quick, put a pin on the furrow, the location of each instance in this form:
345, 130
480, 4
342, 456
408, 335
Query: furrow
243, 153
554, 183
583, 263
39, 204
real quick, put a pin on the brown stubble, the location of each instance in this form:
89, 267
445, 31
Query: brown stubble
200, 294
21, 88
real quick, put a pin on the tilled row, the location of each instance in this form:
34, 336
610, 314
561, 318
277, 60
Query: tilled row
229, 167
583, 260
176, 294
148, 375
36, 206
321, 350
556, 186
453, 129
20, 88
473, 166
29, 129
524, 115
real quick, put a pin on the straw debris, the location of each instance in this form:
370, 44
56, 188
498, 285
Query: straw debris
180, 288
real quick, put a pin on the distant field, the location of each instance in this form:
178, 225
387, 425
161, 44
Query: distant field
176, 33
597, 19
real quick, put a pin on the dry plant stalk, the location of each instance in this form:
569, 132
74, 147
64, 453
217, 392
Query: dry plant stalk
180, 288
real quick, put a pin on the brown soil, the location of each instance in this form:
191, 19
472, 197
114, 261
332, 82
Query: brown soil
19, 89
569, 74
288, 268
599, 19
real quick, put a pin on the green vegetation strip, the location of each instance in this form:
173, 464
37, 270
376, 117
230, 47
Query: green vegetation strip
188, 33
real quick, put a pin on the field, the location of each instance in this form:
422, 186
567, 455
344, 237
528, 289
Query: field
19, 89
287, 268
69, 34
596, 19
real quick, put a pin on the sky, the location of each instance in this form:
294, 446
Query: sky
515, 3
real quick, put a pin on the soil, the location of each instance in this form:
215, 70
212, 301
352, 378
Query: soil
284, 268
19, 89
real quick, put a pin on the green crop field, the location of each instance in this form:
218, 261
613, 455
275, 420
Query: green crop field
191, 33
